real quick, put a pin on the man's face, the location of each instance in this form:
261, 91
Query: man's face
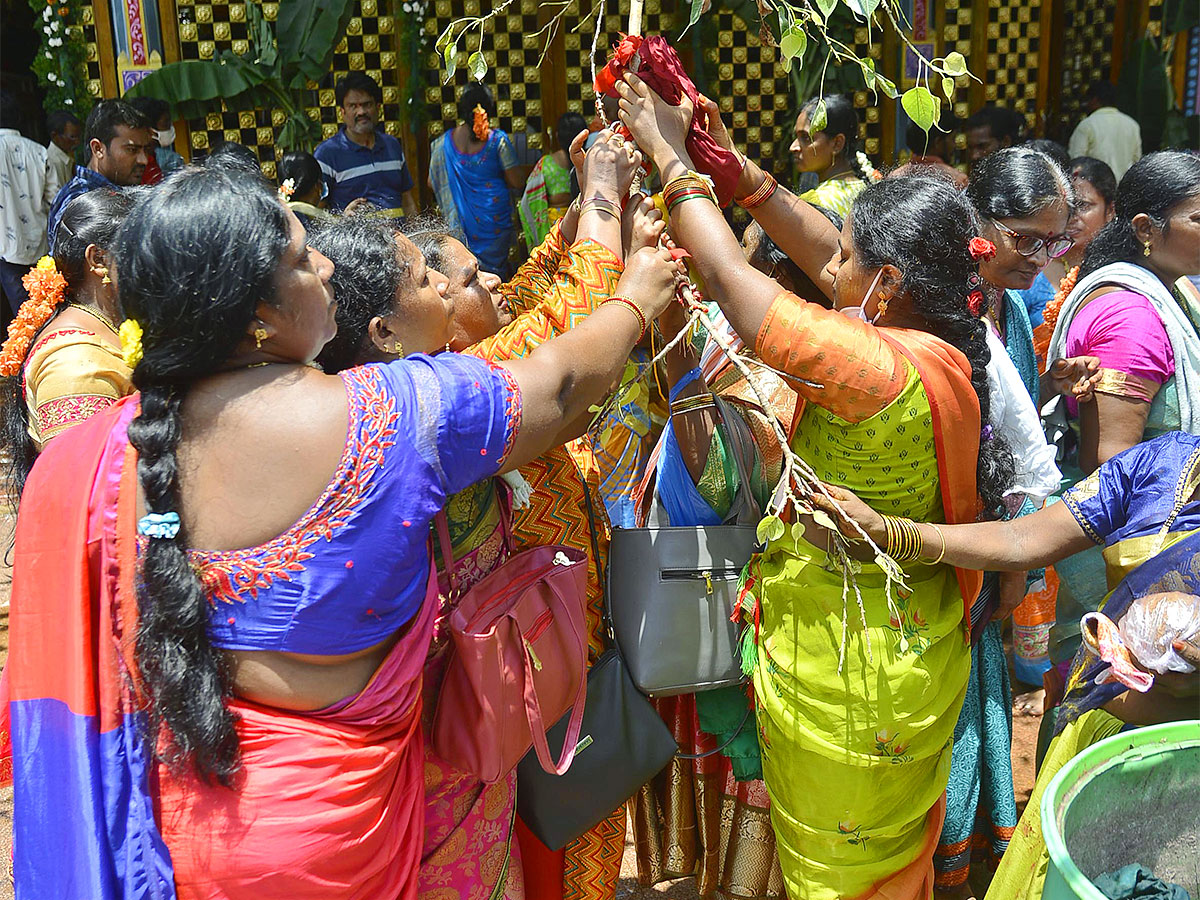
981, 142
68, 139
124, 159
360, 112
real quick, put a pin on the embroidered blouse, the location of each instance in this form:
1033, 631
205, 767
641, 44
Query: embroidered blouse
354, 568
70, 375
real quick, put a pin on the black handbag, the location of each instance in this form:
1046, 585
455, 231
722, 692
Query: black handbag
623, 743
673, 589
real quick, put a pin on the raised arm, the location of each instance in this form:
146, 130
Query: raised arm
799, 230
566, 375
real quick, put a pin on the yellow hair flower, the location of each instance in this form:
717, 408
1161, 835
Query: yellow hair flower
130, 333
46, 263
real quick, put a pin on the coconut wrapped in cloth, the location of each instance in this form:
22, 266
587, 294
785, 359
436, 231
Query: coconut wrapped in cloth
660, 67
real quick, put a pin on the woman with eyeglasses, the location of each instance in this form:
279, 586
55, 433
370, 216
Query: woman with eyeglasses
1134, 309
1024, 200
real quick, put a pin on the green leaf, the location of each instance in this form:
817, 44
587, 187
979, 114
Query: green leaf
477, 66
192, 85
948, 88
450, 55
955, 64
886, 85
827, 7
868, 70
822, 518
299, 132
771, 528
307, 32
864, 9
819, 118
693, 15
793, 43
797, 531
922, 107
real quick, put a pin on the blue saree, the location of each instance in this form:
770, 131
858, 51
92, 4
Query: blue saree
474, 196
1141, 507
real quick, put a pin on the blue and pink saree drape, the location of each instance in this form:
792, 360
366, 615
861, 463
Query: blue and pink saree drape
474, 197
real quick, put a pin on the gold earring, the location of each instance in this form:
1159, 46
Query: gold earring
447, 346
883, 306
397, 348
1146, 249
260, 335
105, 279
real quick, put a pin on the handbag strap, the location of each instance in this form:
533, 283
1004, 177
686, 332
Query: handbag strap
533, 709
442, 530
609, 635
745, 509
728, 741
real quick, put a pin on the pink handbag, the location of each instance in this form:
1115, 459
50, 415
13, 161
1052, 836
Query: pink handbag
519, 661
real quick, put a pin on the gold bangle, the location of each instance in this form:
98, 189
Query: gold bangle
903, 539
941, 534
761, 194
609, 206
693, 403
628, 304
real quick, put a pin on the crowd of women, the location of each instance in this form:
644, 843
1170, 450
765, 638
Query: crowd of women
261, 460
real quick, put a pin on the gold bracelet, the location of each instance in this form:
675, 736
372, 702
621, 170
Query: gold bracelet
628, 304
941, 534
609, 206
693, 403
903, 539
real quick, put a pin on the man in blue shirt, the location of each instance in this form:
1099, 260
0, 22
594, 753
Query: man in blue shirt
119, 139
361, 163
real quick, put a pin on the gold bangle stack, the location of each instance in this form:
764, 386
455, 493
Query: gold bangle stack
690, 185
903, 539
761, 194
628, 304
602, 203
690, 404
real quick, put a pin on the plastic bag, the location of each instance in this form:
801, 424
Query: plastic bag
1153, 622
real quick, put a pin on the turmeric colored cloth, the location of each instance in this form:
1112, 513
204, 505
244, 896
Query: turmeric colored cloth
856, 743
552, 292
70, 375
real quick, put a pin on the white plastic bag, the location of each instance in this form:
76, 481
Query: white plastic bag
1151, 624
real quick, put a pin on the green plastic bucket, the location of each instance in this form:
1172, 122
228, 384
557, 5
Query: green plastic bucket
1132, 798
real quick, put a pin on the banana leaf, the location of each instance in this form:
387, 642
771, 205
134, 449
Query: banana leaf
1144, 91
192, 86
307, 32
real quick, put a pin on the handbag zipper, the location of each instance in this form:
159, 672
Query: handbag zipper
536, 630
705, 575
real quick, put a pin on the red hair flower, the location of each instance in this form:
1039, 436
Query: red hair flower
975, 302
981, 248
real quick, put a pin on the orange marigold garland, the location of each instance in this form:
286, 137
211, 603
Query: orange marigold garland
47, 290
1043, 333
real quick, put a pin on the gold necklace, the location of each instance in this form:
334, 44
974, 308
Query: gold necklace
96, 314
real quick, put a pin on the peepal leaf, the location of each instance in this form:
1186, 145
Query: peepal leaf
770, 528
827, 7
955, 64
477, 66
819, 118
450, 55
922, 107
793, 42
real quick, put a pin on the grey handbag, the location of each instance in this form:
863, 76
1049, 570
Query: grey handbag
672, 590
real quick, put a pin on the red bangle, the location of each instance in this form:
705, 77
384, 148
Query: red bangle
643, 324
761, 194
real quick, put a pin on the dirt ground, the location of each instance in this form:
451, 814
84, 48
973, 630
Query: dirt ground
1026, 719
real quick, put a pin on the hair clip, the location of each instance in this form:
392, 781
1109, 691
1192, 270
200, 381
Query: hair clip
986, 433
159, 525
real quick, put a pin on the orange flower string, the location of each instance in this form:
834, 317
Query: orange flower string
1043, 333
47, 289
482, 125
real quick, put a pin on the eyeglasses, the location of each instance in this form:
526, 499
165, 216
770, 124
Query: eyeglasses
1028, 245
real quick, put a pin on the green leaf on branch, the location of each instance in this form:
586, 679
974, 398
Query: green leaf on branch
868, 70
477, 66
827, 7
770, 528
864, 9
450, 55
886, 85
793, 42
819, 118
922, 107
955, 64
948, 88
694, 15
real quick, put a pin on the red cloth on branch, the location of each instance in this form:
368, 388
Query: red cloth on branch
663, 71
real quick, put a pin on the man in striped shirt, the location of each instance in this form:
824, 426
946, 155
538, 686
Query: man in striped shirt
362, 164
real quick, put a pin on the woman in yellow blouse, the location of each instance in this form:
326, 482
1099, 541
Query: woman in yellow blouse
832, 151
63, 357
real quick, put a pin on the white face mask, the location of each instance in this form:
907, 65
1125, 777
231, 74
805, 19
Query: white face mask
860, 311
165, 138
